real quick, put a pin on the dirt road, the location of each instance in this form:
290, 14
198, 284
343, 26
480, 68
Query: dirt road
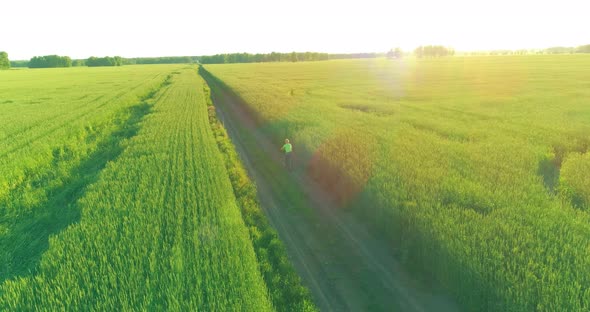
345, 267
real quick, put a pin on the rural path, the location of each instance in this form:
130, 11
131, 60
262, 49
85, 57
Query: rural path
345, 267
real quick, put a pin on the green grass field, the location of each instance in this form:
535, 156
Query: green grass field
114, 195
58, 129
475, 168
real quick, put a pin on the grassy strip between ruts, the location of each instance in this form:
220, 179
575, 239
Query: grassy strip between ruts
286, 290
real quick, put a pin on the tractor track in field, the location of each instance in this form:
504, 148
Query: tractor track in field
344, 266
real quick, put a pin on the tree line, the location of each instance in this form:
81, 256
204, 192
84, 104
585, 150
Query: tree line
50, 61
421, 51
161, 60
560, 50
550, 50
353, 55
433, 51
104, 61
53, 60
394, 53
262, 58
120, 61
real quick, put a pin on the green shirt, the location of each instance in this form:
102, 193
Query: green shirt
288, 148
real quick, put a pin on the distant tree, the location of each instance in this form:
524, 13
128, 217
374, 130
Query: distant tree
77, 63
4, 61
229, 58
104, 61
38, 62
352, 56
49, 61
433, 51
129, 61
390, 54
258, 58
160, 60
271, 57
19, 63
275, 57
394, 53
583, 49
558, 50
419, 51
65, 61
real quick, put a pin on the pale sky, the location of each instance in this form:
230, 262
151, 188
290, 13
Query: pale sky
80, 28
